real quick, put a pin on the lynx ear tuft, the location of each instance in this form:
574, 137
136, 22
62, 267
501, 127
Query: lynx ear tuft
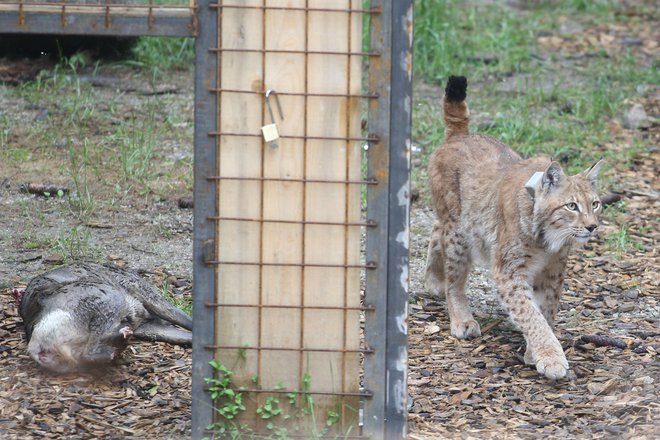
552, 176
591, 174
456, 89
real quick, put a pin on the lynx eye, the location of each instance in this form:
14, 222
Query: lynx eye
572, 206
595, 205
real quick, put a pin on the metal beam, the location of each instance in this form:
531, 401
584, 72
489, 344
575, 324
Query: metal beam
390, 75
97, 24
204, 276
400, 124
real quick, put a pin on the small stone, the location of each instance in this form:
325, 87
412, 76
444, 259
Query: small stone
645, 380
54, 259
431, 329
636, 118
627, 307
631, 294
570, 27
630, 41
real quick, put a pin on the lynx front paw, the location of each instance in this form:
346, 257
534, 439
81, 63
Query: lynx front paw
553, 367
465, 329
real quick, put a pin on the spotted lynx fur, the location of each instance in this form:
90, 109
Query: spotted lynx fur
487, 216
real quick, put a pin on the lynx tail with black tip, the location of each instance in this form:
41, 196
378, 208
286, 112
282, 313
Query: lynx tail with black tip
456, 113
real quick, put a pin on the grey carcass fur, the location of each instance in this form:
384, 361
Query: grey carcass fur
81, 316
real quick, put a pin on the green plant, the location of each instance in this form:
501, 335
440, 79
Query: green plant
621, 240
74, 245
228, 403
136, 149
179, 301
81, 200
301, 409
270, 408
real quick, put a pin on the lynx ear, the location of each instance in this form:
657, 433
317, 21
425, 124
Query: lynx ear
591, 174
552, 176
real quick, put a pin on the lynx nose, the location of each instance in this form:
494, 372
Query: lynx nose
591, 228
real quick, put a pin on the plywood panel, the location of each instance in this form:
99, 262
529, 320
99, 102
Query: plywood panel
293, 269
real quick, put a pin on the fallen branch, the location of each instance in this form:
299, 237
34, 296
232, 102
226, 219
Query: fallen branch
610, 198
44, 189
603, 341
491, 326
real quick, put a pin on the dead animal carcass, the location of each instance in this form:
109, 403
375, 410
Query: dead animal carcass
81, 316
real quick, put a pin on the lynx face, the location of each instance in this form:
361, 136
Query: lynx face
568, 207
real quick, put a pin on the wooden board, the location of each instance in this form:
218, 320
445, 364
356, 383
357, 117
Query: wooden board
276, 256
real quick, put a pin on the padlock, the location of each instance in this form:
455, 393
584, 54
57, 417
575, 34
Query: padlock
269, 131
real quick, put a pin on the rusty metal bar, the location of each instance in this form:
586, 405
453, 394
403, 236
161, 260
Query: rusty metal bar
365, 393
264, 38
282, 306
260, 263
370, 138
349, 31
295, 435
305, 94
300, 349
301, 358
301, 52
299, 8
368, 223
283, 179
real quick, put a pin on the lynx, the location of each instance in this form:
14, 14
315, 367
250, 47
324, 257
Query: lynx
491, 212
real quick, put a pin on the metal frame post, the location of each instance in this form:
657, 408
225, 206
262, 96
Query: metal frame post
390, 75
204, 276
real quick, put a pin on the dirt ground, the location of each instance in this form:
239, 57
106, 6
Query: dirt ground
458, 389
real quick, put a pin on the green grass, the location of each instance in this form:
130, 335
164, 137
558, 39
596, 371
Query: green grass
156, 53
179, 301
562, 114
454, 38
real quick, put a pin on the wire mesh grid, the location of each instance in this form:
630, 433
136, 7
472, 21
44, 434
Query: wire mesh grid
289, 213
301, 237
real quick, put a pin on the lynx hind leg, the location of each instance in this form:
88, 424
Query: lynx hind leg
457, 269
435, 264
